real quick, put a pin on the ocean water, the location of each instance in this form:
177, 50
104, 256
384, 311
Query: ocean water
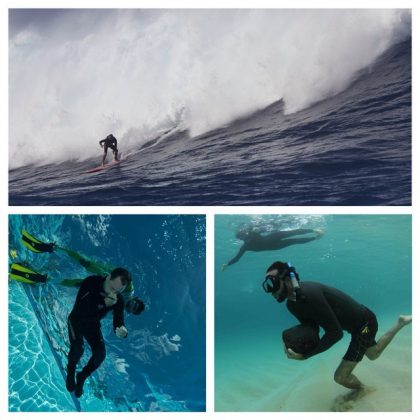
161, 365
209, 109
366, 256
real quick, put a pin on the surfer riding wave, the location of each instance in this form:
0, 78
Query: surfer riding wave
109, 142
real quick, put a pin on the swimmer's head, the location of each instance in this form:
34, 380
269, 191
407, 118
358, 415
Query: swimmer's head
120, 279
281, 280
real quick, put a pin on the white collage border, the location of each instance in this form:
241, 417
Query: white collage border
209, 211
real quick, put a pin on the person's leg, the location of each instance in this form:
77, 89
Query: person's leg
344, 375
104, 156
91, 266
115, 154
75, 353
71, 282
287, 233
295, 241
97, 345
360, 341
376, 350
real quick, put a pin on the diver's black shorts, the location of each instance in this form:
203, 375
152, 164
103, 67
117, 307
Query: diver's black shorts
363, 338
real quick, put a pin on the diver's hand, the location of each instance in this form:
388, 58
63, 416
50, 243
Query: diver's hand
121, 332
224, 266
110, 299
292, 355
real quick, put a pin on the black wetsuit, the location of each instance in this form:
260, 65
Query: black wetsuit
84, 323
334, 311
110, 142
273, 241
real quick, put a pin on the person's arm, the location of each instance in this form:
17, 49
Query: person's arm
296, 241
324, 316
238, 255
101, 143
304, 320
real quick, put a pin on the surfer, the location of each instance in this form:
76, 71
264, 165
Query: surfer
111, 142
97, 296
323, 306
255, 241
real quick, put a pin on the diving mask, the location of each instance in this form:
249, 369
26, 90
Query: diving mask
271, 283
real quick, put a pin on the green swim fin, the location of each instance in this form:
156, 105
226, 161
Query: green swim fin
21, 272
35, 245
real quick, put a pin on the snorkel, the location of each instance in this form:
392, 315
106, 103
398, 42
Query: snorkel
294, 277
292, 273
295, 284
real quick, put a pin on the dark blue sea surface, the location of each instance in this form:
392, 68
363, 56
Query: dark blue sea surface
353, 148
161, 364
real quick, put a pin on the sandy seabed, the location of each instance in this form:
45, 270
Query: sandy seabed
257, 376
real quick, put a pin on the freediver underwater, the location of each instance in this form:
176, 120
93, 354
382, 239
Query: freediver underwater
23, 272
315, 306
109, 289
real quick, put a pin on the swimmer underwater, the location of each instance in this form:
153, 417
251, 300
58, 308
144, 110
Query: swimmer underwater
319, 305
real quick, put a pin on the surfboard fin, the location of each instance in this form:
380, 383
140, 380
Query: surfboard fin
35, 245
21, 272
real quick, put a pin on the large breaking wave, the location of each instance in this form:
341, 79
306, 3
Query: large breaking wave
78, 75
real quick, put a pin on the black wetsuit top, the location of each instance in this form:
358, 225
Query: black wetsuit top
90, 307
110, 142
329, 308
274, 241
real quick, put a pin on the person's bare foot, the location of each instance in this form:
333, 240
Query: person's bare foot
404, 320
319, 233
346, 402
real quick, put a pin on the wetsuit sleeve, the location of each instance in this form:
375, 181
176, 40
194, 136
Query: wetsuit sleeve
101, 142
318, 311
325, 317
238, 255
301, 319
119, 313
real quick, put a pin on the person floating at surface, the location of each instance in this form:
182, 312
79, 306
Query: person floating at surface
111, 142
96, 297
324, 306
254, 241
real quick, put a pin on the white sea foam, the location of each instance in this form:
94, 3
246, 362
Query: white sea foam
77, 76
